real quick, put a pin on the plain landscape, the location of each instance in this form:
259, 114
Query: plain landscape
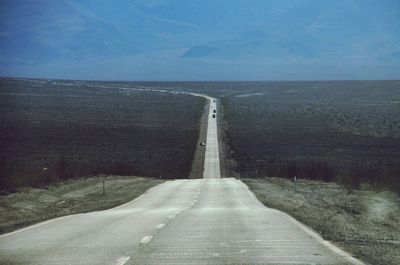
347, 132
165, 132
340, 139
344, 131
57, 130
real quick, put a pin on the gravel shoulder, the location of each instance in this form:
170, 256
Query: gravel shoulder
199, 155
364, 222
32, 205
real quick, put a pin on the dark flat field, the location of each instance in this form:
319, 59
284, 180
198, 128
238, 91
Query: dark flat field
77, 128
346, 131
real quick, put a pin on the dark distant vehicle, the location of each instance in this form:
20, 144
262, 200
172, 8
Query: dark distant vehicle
202, 143
214, 100
215, 111
213, 115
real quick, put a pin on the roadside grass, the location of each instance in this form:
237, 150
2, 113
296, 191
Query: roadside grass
33, 205
365, 222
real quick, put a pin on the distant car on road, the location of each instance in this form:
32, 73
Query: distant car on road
202, 143
213, 115
215, 111
214, 100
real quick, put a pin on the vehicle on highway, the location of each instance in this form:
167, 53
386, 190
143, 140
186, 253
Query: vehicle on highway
202, 143
213, 115
215, 111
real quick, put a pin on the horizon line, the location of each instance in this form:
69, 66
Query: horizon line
193, 81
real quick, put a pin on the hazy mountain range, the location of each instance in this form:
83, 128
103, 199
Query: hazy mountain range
195, 40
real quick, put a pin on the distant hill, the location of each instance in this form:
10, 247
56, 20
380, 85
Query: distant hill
315, 29
174, 39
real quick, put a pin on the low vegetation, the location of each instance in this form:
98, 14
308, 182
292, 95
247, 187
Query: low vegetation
334, 131
32, 205
344, 131
364, 222
56, 130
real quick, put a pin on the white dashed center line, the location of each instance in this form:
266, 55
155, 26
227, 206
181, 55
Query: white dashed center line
122, 260
146, 239
160, 226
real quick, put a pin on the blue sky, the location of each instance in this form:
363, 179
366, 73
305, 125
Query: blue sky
200, 40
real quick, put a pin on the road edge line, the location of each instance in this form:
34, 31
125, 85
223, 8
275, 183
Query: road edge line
344, 254
329, 245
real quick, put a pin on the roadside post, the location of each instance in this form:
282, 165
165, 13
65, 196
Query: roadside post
104, 185
45, 175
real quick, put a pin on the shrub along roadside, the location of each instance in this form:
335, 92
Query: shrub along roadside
31, 205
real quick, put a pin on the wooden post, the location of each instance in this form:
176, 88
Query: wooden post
104, 186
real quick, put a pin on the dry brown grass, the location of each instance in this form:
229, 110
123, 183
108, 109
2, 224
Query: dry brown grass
30, 205
364, 222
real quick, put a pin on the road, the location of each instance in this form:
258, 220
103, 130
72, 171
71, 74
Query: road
212, 220
211, 163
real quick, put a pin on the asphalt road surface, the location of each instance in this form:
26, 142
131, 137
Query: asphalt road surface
205, 221
211, 163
